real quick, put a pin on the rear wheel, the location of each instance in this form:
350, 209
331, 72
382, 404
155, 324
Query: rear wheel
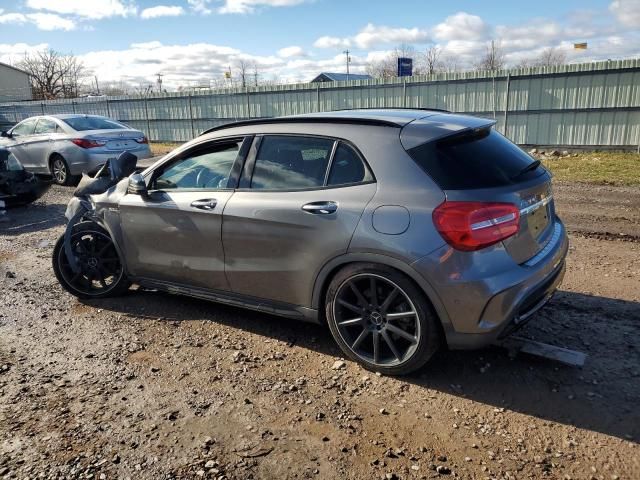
100, 274
60, 171
380, 319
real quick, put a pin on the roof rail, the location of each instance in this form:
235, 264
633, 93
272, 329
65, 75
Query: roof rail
425, 109
353, 121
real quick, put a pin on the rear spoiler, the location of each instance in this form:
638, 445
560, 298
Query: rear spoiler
439, 126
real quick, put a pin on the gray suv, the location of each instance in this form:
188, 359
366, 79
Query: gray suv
403, 230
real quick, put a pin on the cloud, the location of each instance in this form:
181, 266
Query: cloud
332, 42
293, 51
239, 6
461, 26
372, 35
162, 11
627, 12
377, 35
91, 9
43, 21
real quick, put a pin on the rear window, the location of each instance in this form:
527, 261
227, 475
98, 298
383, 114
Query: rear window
82, 124
482, 159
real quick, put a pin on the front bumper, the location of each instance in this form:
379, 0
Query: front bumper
486, 296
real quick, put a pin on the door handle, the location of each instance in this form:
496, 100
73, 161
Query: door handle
205, 204
324, 208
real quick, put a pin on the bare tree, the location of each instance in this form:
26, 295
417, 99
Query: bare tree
550, 57
53, 74
493, 59
256, 74
432, 63
243, 71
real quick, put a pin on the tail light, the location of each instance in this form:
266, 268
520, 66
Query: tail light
87, 143
144, 140
470, 226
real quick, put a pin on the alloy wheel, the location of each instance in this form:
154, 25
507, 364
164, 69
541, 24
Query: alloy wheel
59, 170
100, 267
376, 319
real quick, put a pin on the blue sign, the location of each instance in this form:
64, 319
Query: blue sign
405, 66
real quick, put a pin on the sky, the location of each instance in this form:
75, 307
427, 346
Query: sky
192, 42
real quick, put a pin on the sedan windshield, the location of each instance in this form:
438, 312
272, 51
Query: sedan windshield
81, 124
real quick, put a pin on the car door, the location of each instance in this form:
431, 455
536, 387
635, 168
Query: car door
21, 136
298, 203
46, 131
173, 233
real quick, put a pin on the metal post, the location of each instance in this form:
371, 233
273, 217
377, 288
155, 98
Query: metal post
317, 97
404, 93
248, 102
15, 113
506, 104
108, 109
42, 107
494, 94
73, 106
193, 131
146, 112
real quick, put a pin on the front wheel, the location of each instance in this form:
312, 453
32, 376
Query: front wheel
380, 319
100, 274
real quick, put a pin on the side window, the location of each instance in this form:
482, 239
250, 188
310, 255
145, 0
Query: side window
207, 168
347, 167
24, 128
291, 162
45, 126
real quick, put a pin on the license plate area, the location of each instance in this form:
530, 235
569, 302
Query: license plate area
538, 220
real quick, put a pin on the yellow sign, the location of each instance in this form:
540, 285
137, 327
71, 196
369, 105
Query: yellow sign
227, 74
580, 46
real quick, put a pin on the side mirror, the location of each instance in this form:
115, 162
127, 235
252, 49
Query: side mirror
137, 186
6, 134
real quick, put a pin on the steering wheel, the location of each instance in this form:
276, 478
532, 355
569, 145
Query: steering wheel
206, 179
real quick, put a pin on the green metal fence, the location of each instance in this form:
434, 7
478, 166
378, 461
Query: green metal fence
595, 104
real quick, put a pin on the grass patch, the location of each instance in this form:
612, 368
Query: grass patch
162, 148
600, 168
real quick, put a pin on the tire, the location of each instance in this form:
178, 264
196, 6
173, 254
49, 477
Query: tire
60, 171
400, 319
102, 274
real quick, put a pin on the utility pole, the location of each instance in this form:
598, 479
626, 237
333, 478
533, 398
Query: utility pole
160, 75
346, 52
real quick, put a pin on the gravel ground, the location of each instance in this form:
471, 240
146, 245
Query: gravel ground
159, 386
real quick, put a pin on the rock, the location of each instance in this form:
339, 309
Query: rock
442, 458
338, 365
533, 150
554, 153
10, 274
442, 470
208, 441
391, 476
415, 467
383, 411
565, 153
210, 464
154, 369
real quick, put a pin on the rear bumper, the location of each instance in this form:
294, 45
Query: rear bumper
502, 297
88, 161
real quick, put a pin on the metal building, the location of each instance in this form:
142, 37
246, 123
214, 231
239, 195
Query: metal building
14, 84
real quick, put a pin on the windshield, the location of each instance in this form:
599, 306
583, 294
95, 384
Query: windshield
81, 124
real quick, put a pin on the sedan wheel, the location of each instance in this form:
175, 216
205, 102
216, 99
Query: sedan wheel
60, 171
380, 319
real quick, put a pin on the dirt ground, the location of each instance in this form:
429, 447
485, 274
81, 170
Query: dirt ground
155, 386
